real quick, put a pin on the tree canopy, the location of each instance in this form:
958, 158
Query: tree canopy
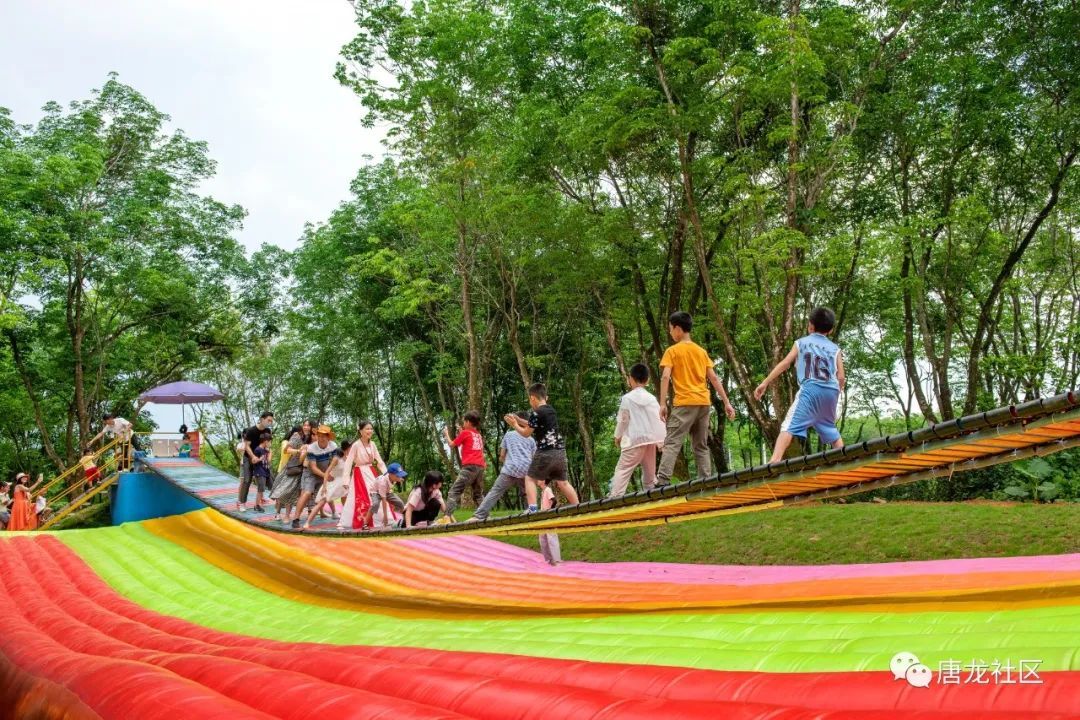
560, 176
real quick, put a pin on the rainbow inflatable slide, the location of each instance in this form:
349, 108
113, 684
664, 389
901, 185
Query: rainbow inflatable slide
201, 616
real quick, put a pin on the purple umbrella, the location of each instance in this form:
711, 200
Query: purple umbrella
181, 393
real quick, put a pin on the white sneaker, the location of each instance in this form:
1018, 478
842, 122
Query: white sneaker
241, 509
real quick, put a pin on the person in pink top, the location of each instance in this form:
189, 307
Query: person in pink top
471, 445
360, 465
425, 502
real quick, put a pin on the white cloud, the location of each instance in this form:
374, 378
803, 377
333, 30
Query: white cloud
253, 79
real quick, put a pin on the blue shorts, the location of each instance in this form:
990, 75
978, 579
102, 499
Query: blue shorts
814, 407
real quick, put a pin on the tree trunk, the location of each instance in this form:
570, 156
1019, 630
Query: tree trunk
512, 316
464, 264
910, 366
981, 328
612, 337
678, 244
731, 352
589, 484
791, 282
77, 332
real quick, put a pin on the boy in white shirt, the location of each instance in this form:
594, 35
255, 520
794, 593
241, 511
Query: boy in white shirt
639, 432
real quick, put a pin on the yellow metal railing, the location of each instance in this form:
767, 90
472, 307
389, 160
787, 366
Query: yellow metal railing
117, 457
79, 501
67, 474
111, 466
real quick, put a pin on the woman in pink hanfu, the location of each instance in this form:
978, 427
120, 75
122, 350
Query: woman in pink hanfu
363, 465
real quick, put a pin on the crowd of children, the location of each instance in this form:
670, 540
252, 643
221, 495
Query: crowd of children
315, 475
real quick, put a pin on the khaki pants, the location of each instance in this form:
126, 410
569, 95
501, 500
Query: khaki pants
686, 420
629, 459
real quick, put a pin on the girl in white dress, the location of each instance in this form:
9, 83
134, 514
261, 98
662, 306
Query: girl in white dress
363, 465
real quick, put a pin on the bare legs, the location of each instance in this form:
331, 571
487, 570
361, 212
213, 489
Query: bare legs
783, 442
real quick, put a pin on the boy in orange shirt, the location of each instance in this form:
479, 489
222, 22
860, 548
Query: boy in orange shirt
689, 366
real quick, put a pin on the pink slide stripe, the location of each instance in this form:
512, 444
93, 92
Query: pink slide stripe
508, 558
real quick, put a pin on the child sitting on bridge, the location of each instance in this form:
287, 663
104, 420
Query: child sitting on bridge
819, 368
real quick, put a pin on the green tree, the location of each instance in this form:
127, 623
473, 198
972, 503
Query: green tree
120, 269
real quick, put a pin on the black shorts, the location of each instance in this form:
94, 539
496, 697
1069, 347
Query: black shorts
548, 465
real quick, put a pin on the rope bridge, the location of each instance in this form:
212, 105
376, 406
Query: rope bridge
1006, 434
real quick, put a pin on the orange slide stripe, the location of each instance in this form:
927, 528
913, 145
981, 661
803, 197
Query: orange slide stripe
375, 576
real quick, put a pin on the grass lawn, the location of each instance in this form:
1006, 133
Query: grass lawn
834, 533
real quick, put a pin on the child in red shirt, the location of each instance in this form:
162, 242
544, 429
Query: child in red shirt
471, 445
91, 473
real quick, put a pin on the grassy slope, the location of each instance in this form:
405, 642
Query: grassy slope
853, 533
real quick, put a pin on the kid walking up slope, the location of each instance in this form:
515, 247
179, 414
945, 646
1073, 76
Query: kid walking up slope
638, 432
819, 367
689, 366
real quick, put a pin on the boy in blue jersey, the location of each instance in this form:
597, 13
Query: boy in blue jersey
819, 368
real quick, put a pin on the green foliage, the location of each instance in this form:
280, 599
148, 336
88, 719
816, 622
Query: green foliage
563, 174
116, 272
1037, 485
560, 176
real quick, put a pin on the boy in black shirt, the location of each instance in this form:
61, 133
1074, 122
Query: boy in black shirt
261, 469
251, 439
549, 461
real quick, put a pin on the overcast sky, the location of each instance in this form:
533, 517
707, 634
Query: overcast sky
253, 79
